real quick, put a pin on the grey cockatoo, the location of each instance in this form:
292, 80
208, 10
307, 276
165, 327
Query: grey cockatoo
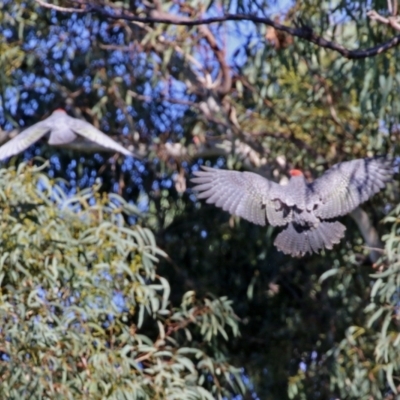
62, 130
305, 210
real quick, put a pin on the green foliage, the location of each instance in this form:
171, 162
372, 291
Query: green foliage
78, 286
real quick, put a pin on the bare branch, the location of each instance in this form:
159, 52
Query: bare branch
394, 23
374, 16
393, 20
392, 7
368, 232
302, 32
61, 9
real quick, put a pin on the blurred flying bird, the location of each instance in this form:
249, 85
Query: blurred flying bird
63, 131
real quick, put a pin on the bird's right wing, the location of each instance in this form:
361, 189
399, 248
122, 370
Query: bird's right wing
23, 140
346, 185
88, 131
244, 194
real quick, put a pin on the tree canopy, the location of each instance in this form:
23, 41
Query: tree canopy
116, 282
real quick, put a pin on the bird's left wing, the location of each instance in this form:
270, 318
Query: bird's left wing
244, 194
88, 131
346, 185
23, 140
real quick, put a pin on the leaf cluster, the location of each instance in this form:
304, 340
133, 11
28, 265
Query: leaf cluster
84, 313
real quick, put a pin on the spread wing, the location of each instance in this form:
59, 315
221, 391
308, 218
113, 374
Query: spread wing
244, 194
23, 140
346, 185
88, 131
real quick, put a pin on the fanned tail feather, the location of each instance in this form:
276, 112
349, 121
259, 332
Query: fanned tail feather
298, 242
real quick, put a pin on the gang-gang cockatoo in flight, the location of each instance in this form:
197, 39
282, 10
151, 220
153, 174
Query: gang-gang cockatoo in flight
305, 210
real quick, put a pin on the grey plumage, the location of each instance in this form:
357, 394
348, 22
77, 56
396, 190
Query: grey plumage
303, 209
62, 130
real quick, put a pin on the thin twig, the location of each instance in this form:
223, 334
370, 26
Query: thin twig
61, 9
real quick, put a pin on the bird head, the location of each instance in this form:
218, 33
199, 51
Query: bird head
60, 110
295, 172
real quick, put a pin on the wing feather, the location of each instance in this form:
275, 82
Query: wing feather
23, 140
244, 194
88, 131
348, 184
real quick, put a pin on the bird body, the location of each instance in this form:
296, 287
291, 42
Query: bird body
62, 130
305, 210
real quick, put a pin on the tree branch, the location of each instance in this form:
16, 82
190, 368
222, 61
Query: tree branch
219, 53
302, 32
60, 9
393, 21
368, 232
